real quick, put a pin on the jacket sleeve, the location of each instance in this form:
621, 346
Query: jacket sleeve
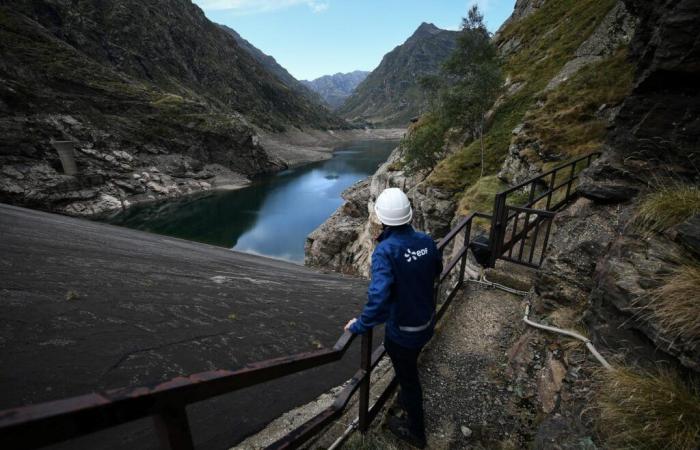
376, 310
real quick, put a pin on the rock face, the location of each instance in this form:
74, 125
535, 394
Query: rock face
136, 86
597, 258
335, 89
662, 112
522, 9
390, 95
614, 30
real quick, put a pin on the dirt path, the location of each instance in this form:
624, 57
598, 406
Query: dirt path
462, 371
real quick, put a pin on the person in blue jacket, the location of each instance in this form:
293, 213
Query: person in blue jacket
405, 264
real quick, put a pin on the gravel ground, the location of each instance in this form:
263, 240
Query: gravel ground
462, 372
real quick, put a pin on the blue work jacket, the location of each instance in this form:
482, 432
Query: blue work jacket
404, 267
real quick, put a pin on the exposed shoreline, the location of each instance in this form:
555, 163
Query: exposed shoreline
296, 148
127, 180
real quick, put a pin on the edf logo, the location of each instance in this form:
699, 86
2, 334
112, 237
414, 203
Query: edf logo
410, 255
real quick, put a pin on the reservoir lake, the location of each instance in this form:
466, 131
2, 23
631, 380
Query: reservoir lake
272, 216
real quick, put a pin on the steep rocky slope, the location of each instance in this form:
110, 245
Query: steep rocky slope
335, 89
159, 101
653, 146
390, 95
272, 66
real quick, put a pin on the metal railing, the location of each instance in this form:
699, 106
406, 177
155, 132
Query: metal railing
545, 194
34, 426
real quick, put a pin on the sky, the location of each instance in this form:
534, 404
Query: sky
311, 38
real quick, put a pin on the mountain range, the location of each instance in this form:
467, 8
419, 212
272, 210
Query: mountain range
160, 102
391, 95
335, 89
271, 64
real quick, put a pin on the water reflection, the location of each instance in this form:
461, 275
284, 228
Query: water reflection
273, 216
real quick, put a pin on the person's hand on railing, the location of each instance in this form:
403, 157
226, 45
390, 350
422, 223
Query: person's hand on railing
349, 324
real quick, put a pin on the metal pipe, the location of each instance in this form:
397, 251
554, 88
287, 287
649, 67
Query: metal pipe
572, 334
346, 433
527, 320
502, 287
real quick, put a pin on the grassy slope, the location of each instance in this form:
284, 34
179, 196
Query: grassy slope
567, 124
549, 38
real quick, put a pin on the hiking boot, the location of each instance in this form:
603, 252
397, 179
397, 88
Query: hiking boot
399, 428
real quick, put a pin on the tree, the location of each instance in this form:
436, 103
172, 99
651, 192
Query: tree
473, 77
460, 95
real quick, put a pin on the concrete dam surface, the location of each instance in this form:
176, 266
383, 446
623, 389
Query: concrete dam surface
88, 307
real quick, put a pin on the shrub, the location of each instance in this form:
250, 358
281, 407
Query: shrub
479, 197
423, 145
649, 410
667, 206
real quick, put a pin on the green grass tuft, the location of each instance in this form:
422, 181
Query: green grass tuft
666, 207
649, 410
674, 306
479, 197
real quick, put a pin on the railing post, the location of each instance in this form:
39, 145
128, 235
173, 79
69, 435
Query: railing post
463, 266
365, 365
550, 191
173, 429
497, 228
571, 181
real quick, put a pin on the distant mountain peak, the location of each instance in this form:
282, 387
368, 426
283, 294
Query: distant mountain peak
427, 27
334, 89
391, 95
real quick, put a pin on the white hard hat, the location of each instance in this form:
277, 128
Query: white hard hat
393, 208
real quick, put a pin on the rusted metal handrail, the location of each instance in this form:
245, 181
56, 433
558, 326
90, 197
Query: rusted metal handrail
37, 425
505, 214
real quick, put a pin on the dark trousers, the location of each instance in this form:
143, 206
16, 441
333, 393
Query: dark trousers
405, 361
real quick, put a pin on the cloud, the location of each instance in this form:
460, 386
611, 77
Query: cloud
317, 6
243, 7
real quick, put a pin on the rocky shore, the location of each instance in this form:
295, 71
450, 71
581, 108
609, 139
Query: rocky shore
344, 242
110, 178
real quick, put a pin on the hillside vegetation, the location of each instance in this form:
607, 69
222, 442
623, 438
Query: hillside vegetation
563, 118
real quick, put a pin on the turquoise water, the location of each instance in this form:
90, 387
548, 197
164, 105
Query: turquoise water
271, 217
